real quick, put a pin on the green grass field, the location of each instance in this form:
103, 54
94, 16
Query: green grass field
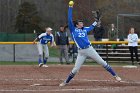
54, 52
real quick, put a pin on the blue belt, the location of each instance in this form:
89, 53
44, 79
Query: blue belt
84, 47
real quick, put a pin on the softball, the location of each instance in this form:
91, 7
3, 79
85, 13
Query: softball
71, 3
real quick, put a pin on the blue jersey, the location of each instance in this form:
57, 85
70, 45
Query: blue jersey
79, 36
44, 38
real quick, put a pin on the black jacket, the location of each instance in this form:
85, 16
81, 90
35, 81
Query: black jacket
62, 38
98, 32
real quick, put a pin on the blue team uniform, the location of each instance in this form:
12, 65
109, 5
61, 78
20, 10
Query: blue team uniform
79, 35
85, 49
44, 38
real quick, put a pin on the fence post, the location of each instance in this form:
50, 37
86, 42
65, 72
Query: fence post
106, 52
14, 53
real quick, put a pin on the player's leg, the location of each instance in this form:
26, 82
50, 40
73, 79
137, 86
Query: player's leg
40, 50
79, 61
95, 56
46, 56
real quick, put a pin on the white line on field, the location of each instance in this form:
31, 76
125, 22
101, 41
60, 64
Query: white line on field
58, 90
86, 80
29, 79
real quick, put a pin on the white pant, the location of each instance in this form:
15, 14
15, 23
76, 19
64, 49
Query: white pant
43, 48
83, 54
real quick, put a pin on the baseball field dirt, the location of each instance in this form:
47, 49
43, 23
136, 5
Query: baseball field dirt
90, 79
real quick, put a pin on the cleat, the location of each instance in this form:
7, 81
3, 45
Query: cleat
117, 78
63, 84
44, 66
41, 64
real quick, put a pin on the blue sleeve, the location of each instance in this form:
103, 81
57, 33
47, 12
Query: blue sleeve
90, 28
70, 22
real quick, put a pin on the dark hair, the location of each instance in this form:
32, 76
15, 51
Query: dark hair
65, 26
76, 22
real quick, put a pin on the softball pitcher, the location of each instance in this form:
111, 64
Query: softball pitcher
85, 49
43, 39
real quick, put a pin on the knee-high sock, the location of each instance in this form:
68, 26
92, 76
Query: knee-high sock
45, 60
71, 75
110, 70
39, 60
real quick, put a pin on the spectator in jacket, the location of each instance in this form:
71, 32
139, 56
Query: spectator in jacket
98, 33
62, 42
112, 35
